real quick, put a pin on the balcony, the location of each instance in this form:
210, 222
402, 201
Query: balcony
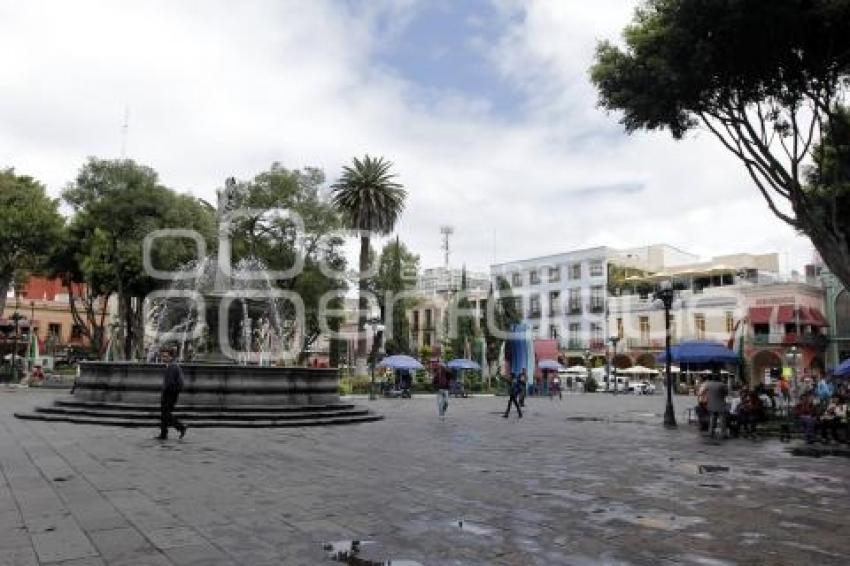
574, 308
576, 345
789, 339
644, 342
534, 313
597, 344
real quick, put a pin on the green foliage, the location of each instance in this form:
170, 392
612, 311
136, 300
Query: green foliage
369, 200
117, 203
368, 196
591, 385
767, 79
397, 268
29, 226
277, 239
506, 315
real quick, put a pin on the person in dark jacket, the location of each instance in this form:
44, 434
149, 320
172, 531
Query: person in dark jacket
172, 385
441, 384
514, 388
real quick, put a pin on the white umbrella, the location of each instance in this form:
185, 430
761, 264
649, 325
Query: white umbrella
638, 370
576, 369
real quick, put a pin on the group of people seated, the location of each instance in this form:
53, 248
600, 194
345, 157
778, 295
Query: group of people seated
821, 409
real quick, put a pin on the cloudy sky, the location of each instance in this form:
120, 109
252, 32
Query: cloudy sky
484, 106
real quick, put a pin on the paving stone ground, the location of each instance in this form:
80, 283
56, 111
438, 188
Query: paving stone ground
541, 490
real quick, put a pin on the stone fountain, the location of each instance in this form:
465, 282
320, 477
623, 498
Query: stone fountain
227, 330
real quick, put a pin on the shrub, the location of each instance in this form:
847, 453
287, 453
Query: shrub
591, 385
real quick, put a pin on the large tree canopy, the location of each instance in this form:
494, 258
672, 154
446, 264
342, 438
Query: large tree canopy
116, 204
766, 77
29, 225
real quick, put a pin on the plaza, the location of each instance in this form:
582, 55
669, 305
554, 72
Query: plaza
591, 479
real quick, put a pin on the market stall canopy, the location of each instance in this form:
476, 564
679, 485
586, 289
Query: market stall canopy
549, 364
843, 369
576, 369
700, 352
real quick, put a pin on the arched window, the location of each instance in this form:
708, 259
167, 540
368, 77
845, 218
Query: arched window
842, 314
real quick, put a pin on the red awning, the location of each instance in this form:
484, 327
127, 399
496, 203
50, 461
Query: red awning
816, 317
760, 315
786, 314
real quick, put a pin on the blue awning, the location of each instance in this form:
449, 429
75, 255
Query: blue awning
700, 352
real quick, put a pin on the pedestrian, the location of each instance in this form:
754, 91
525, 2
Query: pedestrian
172, 385
717, 392
514, 388
556, 387
523, 379
441, 384
807, 415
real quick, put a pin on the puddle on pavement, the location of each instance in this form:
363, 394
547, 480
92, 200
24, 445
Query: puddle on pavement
473, 528
351, 552
586, 419
704, 560
62, 478
819, 451
651, 518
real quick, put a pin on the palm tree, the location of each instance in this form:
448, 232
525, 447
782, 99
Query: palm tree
370, 201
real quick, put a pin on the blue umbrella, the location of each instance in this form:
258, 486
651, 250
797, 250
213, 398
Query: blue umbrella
843, 369
700, 352
400, 362
549, 364
462, 363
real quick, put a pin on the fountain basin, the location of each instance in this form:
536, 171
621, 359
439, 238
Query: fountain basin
208, 384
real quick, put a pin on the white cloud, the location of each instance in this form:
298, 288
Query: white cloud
218, 89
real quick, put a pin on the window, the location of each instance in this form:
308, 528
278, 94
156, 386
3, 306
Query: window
597, 299
620, 328
644, 329
54, 329
554, 333
76, 331
534, 306
554, 303
534, 277
574, 306
429, 320
730, 322
516, 280
426, 340
597, 269
672, 327
699, 326
554, 274
596, 338
535, 330
575, 271
575, 335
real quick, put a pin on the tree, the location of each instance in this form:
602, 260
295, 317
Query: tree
465, 331
397, 268
29, 226
370, 201
506, 315
765, 78
276, 240
116, 204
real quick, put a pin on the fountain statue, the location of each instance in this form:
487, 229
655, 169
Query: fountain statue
226, 324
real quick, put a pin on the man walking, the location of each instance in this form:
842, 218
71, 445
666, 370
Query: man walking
523, 380
441, 384
172, 384
717, 392
514, 387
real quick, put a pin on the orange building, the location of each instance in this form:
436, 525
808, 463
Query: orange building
43, 304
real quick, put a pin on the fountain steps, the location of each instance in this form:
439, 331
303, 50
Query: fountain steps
140, 415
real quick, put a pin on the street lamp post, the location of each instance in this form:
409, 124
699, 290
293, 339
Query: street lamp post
792, 357
613, 340
16, 318
666, 294
377, 330
587, 366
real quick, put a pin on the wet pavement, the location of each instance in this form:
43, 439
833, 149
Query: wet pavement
591, 479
